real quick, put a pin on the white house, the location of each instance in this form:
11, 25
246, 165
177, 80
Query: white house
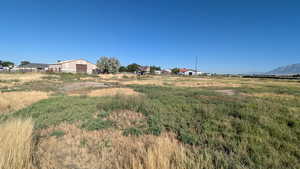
189, 72
157, 72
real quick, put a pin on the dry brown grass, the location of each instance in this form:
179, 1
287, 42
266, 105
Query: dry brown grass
3, 85
205, 83
117, 76
143, 82
88, 78
182, 82
113, 91
16, 144
12, 101
126, 119
17, 79
23, 77
110, 149
268, 95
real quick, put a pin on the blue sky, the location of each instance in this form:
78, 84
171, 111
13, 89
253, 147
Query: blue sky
227, 36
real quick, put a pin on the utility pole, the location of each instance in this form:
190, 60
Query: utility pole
196, 64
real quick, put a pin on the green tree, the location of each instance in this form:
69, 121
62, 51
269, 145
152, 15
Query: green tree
133, 67
154, 68
123, 69
7, 64
108, 64
175, 70
24, 63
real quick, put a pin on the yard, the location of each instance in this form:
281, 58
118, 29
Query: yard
125, 121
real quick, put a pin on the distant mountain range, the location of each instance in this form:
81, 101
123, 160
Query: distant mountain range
285, 70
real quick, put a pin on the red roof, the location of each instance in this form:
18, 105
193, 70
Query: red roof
182, 70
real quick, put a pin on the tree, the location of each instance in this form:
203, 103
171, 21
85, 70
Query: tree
7, 64
175, 70
133, 67
108, 64
24, 63
154, 68
123, 69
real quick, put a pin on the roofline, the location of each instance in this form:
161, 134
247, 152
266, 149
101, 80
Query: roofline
67, 61
40, 64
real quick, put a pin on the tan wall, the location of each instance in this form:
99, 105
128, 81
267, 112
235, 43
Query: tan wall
54, 68
70, 67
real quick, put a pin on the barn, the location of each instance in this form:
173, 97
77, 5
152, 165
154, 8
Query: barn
73, 66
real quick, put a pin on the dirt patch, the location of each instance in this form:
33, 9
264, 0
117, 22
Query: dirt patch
80, 149
113, 91
82, 85
226, 92
12, 101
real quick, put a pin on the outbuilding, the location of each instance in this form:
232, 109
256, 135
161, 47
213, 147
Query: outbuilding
73, 66
189, 72
33, 67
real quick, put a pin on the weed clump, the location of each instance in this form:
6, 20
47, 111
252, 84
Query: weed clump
132, 132
57, 133
96, 124
16, 144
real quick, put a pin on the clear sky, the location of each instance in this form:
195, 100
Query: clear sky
227, 36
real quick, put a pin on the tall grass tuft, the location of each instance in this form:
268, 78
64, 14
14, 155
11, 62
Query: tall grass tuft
16, 144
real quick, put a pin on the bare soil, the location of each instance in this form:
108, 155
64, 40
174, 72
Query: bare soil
82, 85
226, 92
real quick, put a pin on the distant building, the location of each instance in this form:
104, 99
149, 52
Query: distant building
73, 66
189, 72
143, 70
182, 71
157, 72
33, 67
166, 71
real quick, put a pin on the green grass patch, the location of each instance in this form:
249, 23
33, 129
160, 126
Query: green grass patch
233, 131
57, 133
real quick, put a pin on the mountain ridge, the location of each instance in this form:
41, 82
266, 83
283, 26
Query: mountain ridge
286, 70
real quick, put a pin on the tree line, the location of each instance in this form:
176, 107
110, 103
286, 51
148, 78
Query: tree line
112, 65
11, 64
105, 65
6, 63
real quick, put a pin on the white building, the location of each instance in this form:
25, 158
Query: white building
73, 66
157, 72
191, 72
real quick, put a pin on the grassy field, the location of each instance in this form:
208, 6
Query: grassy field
152, 122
